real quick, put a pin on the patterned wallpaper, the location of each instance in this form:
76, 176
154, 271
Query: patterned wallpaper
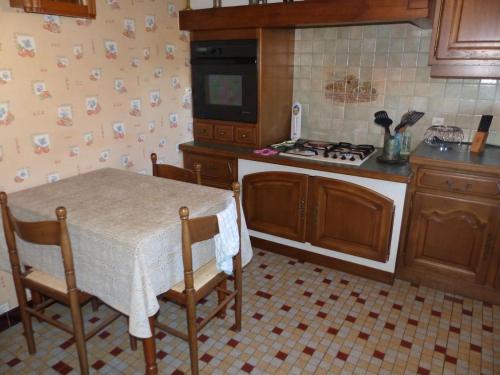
78, 95
343, 75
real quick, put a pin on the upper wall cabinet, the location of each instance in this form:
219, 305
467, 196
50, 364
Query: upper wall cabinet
308, 13
466, 39
70, 8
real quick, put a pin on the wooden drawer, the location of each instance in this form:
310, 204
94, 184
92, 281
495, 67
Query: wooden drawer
203, 130
224, 133
217, 171
458, 183
245, 135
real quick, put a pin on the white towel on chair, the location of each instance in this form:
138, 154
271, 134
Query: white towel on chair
227, 242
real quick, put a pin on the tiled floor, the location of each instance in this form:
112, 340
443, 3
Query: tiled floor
298, 319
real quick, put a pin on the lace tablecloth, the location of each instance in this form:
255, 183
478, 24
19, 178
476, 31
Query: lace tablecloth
125, 233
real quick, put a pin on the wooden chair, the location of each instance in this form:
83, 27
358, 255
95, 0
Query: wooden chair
200, 283
58, 290
176, 173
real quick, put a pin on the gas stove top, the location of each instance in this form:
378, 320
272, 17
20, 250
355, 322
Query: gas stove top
330, 152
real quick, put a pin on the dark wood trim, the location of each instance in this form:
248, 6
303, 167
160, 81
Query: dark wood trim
224, 34
464, 71
323, 260
9, 319
307, 13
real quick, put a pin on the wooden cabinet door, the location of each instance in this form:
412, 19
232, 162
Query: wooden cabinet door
275, 203
349, 218
467, 30
451, 236
216, 171
71, 8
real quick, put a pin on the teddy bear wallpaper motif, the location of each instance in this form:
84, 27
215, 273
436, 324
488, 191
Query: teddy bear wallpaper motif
78, 94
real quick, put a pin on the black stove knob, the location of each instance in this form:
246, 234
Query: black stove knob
343, 157
352, 158
335, 156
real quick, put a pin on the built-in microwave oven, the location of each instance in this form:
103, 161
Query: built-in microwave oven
224, 80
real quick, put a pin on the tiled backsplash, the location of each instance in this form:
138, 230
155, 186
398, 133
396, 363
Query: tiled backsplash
343, 75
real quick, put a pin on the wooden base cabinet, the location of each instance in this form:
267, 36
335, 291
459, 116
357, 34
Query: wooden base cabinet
453, 226
328, 213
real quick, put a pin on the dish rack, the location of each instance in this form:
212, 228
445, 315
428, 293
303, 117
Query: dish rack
442, 136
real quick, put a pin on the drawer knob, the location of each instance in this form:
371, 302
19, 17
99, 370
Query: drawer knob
222, 133
244, 135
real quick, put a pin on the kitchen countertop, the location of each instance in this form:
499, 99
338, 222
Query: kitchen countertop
370, 168
459, 156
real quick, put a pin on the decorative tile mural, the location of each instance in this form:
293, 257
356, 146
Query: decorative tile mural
350, 90
343, 75
78, 94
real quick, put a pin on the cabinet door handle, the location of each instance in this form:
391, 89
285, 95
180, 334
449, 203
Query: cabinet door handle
451, 187
302, 206
229, 167
244, 135
488, 246
222, 132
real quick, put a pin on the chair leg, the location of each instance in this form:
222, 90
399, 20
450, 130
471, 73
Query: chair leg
79, 335
26, 320
95, 304
133, 342
238, 286
220, 298
192, 331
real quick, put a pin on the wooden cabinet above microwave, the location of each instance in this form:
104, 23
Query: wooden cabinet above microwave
466, 39
69, 8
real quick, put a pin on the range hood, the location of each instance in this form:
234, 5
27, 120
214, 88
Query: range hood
309, 13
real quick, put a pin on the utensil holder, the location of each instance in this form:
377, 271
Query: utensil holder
392, 148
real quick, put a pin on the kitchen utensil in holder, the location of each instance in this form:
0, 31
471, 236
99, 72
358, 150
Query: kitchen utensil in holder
405, 140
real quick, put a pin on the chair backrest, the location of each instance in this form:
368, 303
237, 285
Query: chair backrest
176, 173
203, 228
40, 233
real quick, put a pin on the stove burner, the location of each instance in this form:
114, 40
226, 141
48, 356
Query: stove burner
341, 152
348, 151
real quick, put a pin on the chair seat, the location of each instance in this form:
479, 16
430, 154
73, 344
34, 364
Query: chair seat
201, 276
47, 280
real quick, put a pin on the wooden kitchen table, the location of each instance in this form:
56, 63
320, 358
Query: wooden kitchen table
126, 237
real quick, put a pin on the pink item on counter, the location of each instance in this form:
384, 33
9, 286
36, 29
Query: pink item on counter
265, 151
